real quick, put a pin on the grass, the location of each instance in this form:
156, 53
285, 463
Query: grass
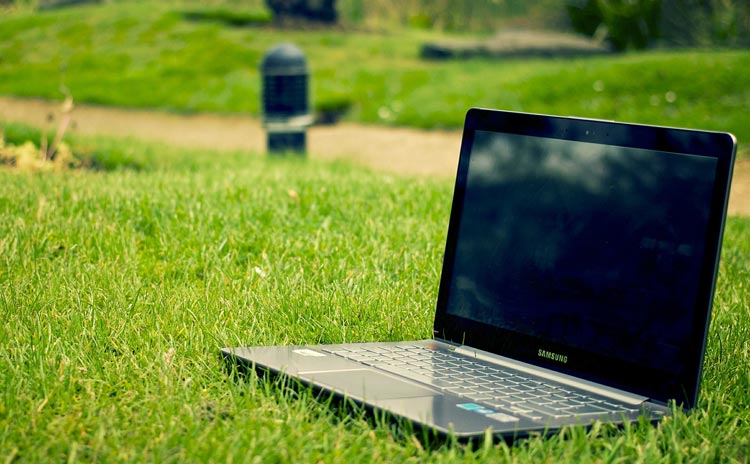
118, 285
152, 54
117, 288
105, 154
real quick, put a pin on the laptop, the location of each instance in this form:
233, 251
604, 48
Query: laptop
576, 286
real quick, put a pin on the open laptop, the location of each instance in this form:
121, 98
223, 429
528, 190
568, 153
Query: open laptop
577, 283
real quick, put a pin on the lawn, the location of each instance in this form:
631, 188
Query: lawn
119, 286
157, 55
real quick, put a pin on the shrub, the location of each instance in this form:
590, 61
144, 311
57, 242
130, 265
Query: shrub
705, 22
642, 23
323, 11
625, 24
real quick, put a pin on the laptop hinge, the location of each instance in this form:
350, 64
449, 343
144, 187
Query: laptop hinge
591, 387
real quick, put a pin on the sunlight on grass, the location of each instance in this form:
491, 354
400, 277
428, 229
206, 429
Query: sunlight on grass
120, 283
118, 288
137, 54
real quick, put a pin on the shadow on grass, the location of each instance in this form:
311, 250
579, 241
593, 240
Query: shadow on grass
229, 17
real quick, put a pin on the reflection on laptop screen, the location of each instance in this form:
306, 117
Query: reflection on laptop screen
587, 245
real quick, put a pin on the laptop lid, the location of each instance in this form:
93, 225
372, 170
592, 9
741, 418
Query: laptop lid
588, 247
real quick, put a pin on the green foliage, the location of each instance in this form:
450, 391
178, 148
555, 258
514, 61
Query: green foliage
104, 155
20, 133
420, 21
475, 16
638, 24
706, 22
626, 24
117, 290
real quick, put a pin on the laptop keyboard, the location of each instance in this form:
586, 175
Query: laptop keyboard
495, 386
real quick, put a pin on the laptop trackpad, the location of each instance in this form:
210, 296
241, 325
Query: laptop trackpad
367, 384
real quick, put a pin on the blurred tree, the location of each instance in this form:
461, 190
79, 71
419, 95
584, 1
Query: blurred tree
585, 16
705, 22
643, 23
461, 16
624, 23
631, 23
313, 10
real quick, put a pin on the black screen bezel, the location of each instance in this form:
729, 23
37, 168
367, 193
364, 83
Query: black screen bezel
658, 385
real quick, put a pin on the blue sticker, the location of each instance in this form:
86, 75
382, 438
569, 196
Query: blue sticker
469, 406
476, 408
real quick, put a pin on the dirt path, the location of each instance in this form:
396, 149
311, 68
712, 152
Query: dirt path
396, 150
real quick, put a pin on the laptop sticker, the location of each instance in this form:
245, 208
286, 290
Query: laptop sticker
490, 413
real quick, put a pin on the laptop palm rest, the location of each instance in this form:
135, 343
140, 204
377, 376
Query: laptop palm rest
368, 384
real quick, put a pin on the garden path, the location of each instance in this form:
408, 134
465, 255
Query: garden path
395, 150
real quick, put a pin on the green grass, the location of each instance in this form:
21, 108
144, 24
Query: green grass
105, 154
117, 289
149, 54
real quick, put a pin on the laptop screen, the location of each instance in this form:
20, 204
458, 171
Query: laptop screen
584, 252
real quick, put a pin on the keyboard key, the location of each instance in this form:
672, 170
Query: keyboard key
588, 410
493, 385
547, 410
461, 391
413, 376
